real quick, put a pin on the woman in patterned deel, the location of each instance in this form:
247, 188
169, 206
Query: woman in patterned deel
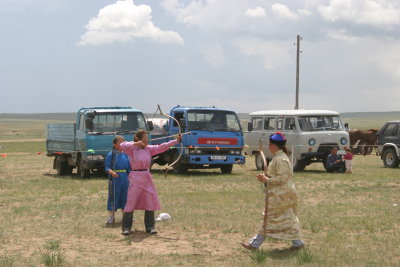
281, 221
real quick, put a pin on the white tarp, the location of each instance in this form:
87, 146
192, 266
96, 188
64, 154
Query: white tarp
159, 126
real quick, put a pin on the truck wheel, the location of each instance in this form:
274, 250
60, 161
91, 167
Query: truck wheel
390, 159
259, 162
226, 168
61, 166
83, 173
178, 167
299, 165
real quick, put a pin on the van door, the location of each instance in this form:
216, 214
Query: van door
270, 125
290, 132
252, 137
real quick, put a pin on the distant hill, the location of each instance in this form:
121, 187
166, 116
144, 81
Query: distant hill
390, 114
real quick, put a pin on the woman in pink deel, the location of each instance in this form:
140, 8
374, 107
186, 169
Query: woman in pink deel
142, 194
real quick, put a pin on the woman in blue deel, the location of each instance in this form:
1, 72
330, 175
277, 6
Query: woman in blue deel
117, 166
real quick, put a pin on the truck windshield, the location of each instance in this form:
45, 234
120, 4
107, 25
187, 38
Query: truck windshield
207, 120
118, 123
320, 123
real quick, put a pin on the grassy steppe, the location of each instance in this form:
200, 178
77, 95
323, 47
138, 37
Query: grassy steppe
47, 220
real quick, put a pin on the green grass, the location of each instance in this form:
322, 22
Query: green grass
47, 220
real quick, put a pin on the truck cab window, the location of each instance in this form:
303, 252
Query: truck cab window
81, 122
178, 116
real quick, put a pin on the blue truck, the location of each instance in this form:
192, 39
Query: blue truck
212, 138
85, 143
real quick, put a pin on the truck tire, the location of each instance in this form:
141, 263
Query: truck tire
259, 162
179, 167
390, 159
299, 165
61, 165
226, 168
82, 172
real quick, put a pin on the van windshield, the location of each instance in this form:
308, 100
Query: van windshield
207, 120
118, 123
320, 123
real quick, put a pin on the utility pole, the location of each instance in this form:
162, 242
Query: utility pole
297, 72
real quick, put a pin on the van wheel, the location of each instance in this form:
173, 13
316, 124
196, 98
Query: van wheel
299, 165
259, 162
390, 159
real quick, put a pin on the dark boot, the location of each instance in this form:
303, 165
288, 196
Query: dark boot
149, 222
127, 223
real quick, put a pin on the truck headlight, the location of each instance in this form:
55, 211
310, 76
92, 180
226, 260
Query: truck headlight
195, 151
238, 152
343, 140
311, 141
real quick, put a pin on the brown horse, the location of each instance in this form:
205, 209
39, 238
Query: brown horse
365, 140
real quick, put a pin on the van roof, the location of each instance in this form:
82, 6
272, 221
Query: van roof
294, 112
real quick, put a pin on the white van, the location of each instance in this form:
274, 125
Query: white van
310, 134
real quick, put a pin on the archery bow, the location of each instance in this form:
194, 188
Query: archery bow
180, 133
265, 165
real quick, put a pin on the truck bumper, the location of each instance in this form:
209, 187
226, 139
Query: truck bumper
213, 160
94, 164
317, 155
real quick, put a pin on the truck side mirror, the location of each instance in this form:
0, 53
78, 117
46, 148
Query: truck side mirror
150, 125
89, 124
249, 126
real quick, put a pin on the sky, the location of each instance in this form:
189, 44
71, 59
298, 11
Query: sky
61, 55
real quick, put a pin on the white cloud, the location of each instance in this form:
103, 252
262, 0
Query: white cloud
255, 12
123, 21
342, 35
273, 53
283, 11
377, 13
208, 14
304, 12
215, 55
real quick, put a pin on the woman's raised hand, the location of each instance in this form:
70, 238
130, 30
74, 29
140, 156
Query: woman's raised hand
179, 138
262, 178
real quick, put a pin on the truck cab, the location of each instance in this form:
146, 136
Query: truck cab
84, 144
212, 138
310, 134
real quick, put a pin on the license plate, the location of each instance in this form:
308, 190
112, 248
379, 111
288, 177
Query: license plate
341, 152
218, 157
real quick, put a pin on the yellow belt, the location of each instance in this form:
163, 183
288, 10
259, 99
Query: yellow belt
119, 170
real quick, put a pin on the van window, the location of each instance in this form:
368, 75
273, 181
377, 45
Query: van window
257, 123
279, 124
290, 124
269, 123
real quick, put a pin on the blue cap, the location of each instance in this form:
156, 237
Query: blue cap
278, 137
